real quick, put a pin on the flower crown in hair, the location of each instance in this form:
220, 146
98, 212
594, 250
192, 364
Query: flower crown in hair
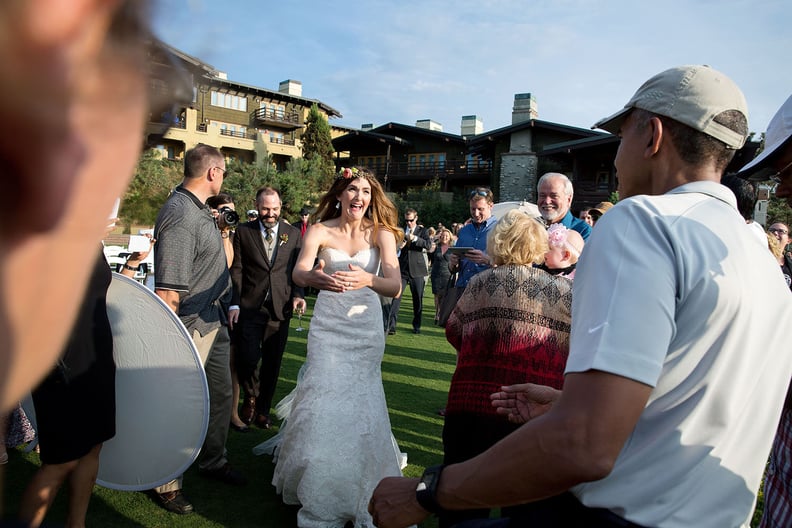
348, 173
557, 237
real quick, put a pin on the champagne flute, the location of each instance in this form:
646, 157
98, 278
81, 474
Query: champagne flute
299, 322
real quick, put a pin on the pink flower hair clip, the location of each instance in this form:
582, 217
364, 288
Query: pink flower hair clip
348, 173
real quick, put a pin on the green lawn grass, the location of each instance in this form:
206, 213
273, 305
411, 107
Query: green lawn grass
416, 373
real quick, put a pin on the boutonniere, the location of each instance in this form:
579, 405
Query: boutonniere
283, 238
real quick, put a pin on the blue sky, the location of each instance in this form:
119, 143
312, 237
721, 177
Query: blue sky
378, 61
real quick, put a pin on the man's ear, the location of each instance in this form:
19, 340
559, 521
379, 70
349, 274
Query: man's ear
656, 136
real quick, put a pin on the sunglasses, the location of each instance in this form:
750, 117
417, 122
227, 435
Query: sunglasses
778, 230
479, 192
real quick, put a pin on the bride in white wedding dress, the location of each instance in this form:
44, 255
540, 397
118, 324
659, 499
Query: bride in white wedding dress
336, 444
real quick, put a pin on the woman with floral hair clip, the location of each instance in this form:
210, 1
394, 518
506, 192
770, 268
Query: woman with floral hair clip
337, 444
565, 248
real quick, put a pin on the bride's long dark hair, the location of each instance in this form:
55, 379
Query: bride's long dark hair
381, 210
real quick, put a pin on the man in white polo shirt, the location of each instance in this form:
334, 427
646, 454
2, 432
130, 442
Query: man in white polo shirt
675, 384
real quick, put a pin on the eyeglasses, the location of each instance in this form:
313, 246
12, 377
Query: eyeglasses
778, 231
479, 192
776, 178
222, 169
410, 220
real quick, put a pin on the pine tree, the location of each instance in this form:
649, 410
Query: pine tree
317, 145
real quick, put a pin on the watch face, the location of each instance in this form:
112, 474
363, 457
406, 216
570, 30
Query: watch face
429, 478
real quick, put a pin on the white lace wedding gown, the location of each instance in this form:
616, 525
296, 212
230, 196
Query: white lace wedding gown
336, 444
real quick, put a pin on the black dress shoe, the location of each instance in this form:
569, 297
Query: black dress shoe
174, 502
391, 332
263, 421
248, 411
239, 428
225, 474
416, 330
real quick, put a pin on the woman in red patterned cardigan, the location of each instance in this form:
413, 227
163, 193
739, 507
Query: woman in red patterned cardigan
511, 325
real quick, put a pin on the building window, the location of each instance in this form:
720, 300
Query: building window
373, 163
225, 100
427, 161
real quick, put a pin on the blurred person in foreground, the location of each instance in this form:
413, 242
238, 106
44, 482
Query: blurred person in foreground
511, 325
774, 163
657, 423
75, 85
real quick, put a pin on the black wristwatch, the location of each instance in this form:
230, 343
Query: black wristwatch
426, 492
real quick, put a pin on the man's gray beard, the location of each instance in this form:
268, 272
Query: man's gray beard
553, 220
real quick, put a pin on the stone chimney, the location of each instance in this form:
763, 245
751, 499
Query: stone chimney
471, 125
428, 124
525, 108
291, 87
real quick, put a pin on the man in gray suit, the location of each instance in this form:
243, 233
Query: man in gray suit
414, 264
264, 298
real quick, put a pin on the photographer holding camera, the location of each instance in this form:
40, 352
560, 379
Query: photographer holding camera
227, 219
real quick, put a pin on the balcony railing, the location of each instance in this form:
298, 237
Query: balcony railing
279, 118
280, 140
238, 133
460, 170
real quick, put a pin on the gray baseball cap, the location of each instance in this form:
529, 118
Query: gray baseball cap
692, 95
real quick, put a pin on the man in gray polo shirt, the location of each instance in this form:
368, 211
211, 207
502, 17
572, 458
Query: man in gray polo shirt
192, 278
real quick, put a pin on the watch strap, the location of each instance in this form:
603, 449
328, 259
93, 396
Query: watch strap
426, 492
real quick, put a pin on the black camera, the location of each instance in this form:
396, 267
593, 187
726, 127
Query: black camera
227, 217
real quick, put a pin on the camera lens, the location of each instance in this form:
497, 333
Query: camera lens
229, 216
